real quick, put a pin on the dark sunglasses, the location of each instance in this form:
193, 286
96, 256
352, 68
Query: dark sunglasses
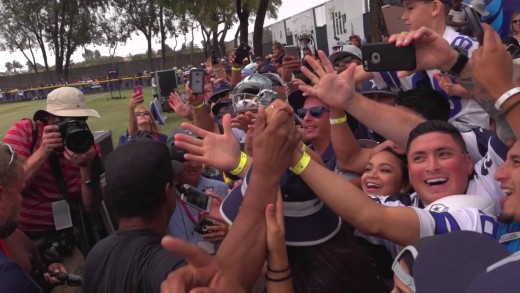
142, 114
314, 111
10, 150
515, 21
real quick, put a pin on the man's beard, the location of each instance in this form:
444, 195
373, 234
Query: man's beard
506, 218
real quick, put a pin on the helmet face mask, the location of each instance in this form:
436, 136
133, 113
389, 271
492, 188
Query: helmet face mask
253, 91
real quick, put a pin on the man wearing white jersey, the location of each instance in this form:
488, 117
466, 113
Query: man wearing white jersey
465, 113
439, 164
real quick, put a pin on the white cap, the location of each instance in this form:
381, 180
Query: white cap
66, 102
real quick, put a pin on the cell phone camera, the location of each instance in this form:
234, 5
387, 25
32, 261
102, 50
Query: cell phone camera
375, 57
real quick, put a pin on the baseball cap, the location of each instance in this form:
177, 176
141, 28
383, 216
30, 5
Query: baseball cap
220, 89
219, 105
138, 171
448, 262
348, 51
339, 45
66, 102
308, 221
477, 5
370, 87
449, 2
501, 276
259, 59
268, 68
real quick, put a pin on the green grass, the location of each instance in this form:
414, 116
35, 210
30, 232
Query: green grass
114, 113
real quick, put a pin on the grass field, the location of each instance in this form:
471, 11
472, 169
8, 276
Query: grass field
114, 113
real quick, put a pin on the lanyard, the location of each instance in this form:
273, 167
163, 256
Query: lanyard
4, 249
192, 218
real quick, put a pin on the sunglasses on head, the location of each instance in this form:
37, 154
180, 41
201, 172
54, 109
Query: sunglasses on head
314, 111
515, 21
11, 152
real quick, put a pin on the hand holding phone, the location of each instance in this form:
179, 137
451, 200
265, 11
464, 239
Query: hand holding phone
242, 52
138, 90
196, 198
292, 50
474, 22
388, 57
197, 81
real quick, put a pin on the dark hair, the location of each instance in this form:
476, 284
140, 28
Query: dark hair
9, 174
515, 13
138, 209
403, 162
436, 126
338, 265
426, 102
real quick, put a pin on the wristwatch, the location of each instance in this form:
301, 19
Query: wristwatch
462, 60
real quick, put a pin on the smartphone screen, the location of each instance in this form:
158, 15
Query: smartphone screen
292, 50
138, 90
196, 198
474, 22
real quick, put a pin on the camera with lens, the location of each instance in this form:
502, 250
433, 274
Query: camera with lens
76, 134
202, 226
56, 245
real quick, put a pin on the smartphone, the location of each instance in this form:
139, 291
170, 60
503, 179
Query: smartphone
196, 198
241, 53
513, 49
474, 21
138, 90
292, 50
197, 81
388, 57
214, 57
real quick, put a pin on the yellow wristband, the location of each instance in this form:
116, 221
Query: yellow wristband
304, 147
241, 164
301, 165
236, 69
198, 106
338, 120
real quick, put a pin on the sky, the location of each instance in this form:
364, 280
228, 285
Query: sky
138, 45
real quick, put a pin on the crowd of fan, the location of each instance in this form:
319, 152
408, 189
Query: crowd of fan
319, 176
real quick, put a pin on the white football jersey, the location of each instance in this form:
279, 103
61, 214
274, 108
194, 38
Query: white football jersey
465, 113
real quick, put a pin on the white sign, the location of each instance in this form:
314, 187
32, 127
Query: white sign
344, 18
278, 32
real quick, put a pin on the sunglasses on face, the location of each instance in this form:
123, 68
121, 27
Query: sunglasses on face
314, 111
515, 21
10, 150
142, 114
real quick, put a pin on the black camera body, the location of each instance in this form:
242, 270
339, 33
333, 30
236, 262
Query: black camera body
202, 226
76, 134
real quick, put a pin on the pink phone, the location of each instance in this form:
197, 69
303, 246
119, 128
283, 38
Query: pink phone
138, 90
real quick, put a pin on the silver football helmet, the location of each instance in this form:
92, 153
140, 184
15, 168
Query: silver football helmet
251, 92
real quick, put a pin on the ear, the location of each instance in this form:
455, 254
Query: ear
437, 8
469, 165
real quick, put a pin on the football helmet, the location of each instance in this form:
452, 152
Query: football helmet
251, 92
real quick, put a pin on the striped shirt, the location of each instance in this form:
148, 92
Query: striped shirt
38, 196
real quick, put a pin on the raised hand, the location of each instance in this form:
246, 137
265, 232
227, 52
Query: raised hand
333, 89
492, 64
182, 109
203, 274
273, 143
243, 120
220, 151
449, 87
51, 139
135, 100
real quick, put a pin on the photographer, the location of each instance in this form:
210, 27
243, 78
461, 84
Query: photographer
62, 171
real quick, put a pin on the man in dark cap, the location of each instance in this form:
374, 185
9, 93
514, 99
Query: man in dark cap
139, 188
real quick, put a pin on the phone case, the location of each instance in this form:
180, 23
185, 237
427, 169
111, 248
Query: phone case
291, 50
138, 90
388, 57
197, 81
192, 190
474, 22
242, 53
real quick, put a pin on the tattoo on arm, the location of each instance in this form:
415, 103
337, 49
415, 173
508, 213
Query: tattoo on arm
486, 101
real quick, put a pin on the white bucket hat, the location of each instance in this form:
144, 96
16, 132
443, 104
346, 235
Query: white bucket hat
66, 102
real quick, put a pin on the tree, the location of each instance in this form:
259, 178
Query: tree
140, 15
265, 7
17, 65
377, 22
9, 67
